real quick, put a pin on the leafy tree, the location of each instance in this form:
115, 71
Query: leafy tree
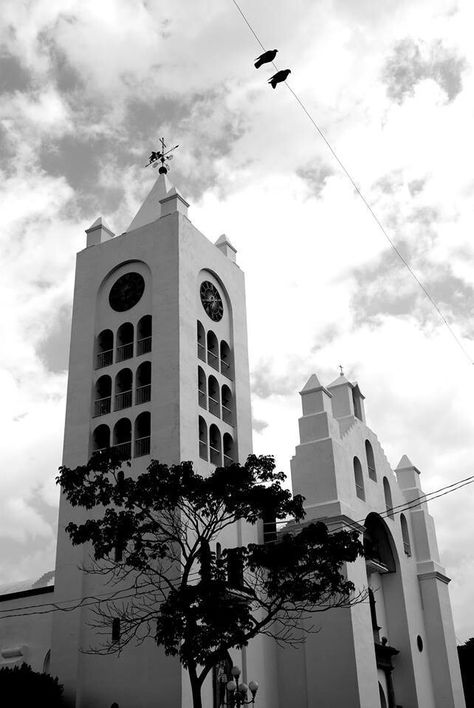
22, 687
158, 528
466, 661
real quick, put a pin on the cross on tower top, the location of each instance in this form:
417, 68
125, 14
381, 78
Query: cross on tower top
162, 156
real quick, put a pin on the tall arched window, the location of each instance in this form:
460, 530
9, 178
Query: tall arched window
142, 434
124, 342
201, 341
101, 438
212, 350
215, 445
359, 479
103, 393
226, 360
123, 438
143, 383
104, 348
369, 453
388, 497
144, 335
227, 405
229, 452
405, 535
214, 396
116, 629
202, 438
202, 388
123, 389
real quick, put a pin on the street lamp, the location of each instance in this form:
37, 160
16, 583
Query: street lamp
236, 693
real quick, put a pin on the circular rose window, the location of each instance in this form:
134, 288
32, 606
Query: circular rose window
126, 292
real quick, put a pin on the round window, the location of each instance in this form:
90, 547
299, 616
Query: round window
126, 292
419, 643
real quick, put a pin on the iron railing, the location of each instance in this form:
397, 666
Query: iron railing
227, 414
104, 358
142, 394
102, 406
214, 406
124, 450
143, 345
123, 400
213, 360
203, 449
125, 351
142, 446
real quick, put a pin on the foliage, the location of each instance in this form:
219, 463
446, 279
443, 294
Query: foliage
22, 687
466, 661
156, 533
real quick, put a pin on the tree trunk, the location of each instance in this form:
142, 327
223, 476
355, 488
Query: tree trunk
195, 687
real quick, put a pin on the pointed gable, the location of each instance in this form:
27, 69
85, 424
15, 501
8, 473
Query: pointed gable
150, 210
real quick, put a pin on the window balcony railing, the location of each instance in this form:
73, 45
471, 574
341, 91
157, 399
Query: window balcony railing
124, 450
201, 351
227, 414
216, 457
203, 450
202, 398
102, 406
213, 360
226, 369
228, 460
214, 406
104, 359
124, 352
123, 400
142, 446
144, 346
143, 394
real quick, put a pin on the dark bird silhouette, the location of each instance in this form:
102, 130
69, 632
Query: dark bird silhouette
279, 77
265, 58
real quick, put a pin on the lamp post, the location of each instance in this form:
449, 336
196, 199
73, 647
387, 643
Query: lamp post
236, 693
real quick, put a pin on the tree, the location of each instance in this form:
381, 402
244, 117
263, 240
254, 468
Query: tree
22, 687
466, 661
156, 531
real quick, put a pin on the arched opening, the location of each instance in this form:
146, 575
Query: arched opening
201, 341
104, 349
405, 535
116, 629
123, 389
143, 383
202, 438
102, 395
142, 434
373, 616
123, 438
227, 405
144, 335
359, 479
226, 360
214, 396
369, 453
388, 497
212, 350
101, 438
202, 388
124, 342
229, 452
377, 546
215, 445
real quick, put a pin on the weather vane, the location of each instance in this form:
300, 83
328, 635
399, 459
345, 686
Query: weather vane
162, 156
341, 370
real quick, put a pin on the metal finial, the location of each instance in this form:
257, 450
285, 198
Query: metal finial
161, 156
341, 370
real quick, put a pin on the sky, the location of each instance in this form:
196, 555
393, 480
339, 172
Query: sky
88, 87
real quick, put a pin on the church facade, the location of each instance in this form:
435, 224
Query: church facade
159, 369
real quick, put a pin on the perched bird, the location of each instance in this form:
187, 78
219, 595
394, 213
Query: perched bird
265, 58
279, 77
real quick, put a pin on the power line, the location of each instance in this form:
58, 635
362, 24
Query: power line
364, 199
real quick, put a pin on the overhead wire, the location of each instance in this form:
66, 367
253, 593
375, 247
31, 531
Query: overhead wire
363, 198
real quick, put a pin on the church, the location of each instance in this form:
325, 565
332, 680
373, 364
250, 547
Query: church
159, 369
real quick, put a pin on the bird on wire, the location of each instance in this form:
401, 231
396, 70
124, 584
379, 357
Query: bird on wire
279, 77
265, 58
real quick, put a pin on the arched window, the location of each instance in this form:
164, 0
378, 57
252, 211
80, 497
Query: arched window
202, 438
142, 434
123, 389
369, 453
202, 388
215, 445
227, 405
116, 629
388, 497
229, 452
373, 615
226, 360
201, 341
212, 350
102, 397
101, 438
143, 383
359, 479
104, 349
405, 535
213, 391
144, 335
123, 438
124, 342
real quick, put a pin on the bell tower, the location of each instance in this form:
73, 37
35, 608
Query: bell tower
159, 370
